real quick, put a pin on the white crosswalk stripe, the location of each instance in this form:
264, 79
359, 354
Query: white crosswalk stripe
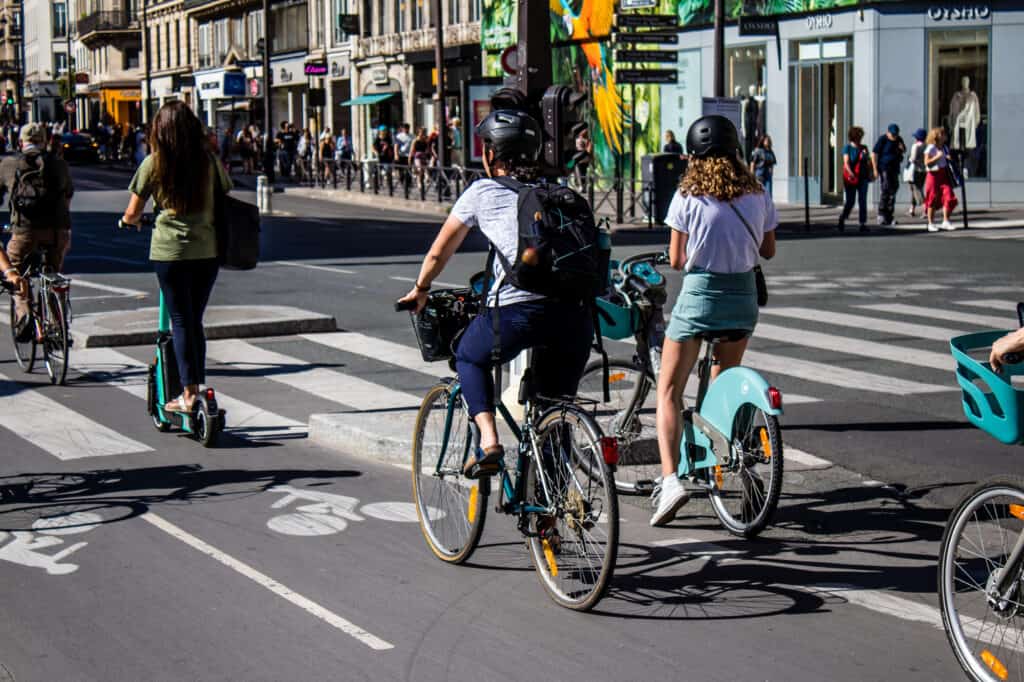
833, 375
56, 428
989, 321
852, 346
862, 322
380, 349
992, 304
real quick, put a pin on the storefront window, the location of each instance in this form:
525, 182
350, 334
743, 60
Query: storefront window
291, 28
746, 80
958, 94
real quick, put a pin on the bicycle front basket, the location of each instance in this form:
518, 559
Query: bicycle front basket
990, 400
447, 313
616, 321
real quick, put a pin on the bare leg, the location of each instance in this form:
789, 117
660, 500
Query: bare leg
488, 429
728, 355
190, 393
677, 360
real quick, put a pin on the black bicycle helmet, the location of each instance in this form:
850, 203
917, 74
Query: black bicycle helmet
513, 135
711, 136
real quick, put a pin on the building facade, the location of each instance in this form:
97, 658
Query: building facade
166, 44
107, 61
47, 41
11, 60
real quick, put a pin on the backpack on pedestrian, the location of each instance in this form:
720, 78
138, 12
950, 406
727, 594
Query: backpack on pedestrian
856, 172
31, 199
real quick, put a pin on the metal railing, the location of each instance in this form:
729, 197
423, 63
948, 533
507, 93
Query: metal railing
105, 20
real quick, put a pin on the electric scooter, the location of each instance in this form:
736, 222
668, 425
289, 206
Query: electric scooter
206, 420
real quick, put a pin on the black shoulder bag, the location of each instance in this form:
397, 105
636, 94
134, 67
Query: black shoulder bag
762, 286
237, 225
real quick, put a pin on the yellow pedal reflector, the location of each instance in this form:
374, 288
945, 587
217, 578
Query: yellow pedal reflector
766, 443
474, 495
549, 554
718, 476
994, 664
617, 376
1017, 510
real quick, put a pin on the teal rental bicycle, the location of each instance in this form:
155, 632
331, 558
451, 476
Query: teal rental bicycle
981, 559
559, 488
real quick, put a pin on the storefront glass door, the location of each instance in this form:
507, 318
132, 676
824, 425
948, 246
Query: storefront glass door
821, 91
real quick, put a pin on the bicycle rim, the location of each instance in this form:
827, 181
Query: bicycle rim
629, 418
574, 548
451, 508
745, 492
986, 633
55, 340
24, 353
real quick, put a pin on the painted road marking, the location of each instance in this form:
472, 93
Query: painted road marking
436, 282
944, 314
90, 284
695, 547
310, 266
59, 430
407, 357
308, 605
920, 331
334, 386
989, 303
806, 460
822, 373
244, 420
852, 346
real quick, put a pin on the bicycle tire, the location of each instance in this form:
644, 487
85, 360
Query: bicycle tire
757, 500
55, 339
451, 508
24, 353
625, 419
565, 547
952, 571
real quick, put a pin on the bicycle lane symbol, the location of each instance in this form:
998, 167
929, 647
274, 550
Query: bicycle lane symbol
31, 548
329, 513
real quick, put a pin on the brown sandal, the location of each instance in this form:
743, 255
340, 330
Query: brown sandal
485, 463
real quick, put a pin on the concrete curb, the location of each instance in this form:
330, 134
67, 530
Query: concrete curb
380, 437
138, 327
383, 200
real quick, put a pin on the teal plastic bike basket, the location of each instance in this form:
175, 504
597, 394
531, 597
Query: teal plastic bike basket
617, 322
990, 400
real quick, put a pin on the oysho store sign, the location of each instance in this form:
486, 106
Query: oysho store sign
955, 13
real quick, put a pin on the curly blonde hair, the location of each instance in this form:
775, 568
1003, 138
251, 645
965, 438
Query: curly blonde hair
724, 178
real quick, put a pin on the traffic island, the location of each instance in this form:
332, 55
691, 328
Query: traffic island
138, 327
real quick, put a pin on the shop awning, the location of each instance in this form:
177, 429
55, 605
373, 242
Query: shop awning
367, 99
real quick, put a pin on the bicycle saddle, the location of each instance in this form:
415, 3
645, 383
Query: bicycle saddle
723, 335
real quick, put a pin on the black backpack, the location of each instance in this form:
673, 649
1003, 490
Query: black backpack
30, 195
561, 252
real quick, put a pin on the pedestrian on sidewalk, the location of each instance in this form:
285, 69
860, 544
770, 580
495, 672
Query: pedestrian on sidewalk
915, 172
182, 176
857, 177
938, 186
672, 145
886, 158
762, 163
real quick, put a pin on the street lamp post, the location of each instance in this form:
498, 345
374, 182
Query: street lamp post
268, 138
21, 62
439, 113
147, 56
719, 48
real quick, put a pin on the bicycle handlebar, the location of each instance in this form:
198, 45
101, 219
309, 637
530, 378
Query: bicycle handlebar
402, 306
1013, 358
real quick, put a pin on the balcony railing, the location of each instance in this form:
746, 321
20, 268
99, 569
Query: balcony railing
106, 20
8, 66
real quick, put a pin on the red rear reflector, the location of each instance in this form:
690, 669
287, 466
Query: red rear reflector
60, 290
774, 398
610, 450
209, 394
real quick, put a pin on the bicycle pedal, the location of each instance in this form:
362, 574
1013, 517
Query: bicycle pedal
481, 471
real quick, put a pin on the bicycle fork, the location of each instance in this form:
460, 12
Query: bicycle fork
1002, 590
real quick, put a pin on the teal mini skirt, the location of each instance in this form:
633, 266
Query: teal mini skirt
711, 301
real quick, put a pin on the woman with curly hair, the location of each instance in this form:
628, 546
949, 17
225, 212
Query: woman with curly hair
722, 220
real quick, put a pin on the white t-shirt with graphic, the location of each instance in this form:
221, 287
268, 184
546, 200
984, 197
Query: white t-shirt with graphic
494, 208
718, 239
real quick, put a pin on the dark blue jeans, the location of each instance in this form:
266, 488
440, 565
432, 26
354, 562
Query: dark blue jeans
560, 332
186, 286
857, 194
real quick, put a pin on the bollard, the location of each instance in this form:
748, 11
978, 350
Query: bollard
264, 195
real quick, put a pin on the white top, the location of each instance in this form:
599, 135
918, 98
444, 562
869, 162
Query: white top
493, 208
937, 165
719, 241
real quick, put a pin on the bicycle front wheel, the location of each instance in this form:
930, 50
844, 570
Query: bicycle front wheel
451, 508
55, 338
984, 625
629, 418
24, 353
574, 543
745, 492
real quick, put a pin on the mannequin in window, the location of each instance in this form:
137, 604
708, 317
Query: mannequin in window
964, 116
738, 94
751, 117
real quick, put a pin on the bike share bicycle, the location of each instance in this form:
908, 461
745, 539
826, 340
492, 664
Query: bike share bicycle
560, 488
981, 559
732, 440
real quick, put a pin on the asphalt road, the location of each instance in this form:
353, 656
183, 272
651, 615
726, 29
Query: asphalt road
128, 554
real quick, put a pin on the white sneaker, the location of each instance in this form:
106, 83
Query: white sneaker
948, 226
671, 497
932, 227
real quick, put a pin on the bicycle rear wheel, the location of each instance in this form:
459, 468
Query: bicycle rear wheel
24, 353
984, 628
575, 546
451, 508
55, 338
629, 418
745, 492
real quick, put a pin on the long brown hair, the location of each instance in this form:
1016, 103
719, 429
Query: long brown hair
723, 177
181, 158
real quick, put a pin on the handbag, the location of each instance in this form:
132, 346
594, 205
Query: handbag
759, 281
908, 172
237, 224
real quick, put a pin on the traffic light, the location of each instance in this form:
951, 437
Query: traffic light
9, 100
563, 121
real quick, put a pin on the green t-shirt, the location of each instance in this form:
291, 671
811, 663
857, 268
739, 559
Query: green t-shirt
186, 237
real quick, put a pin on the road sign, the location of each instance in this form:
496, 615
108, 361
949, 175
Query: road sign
649, 38
69, 106
647, 76
234, 84
510, 60
647, 20
759, 26
730, 107
661, 56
